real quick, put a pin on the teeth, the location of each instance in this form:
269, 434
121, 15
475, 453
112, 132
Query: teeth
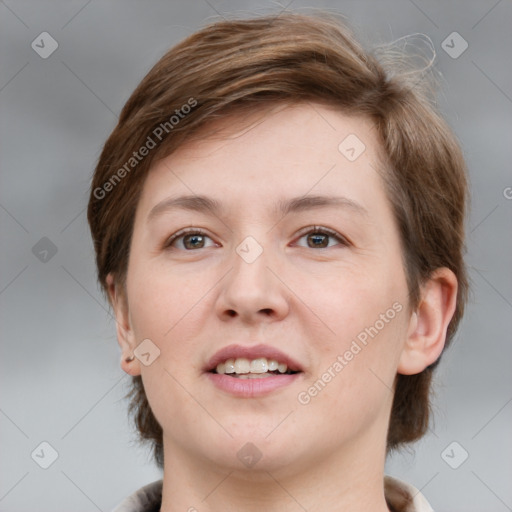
255, 376
245, 368
282, 368
273, 365
259, 365
229, 366
242, 365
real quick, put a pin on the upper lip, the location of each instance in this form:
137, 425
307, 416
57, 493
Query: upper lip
252, 352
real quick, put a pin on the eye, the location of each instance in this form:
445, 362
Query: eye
194, 238
318, 237
188, 239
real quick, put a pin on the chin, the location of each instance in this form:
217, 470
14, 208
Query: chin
255, 454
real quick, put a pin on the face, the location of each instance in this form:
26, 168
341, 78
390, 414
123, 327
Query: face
299, 263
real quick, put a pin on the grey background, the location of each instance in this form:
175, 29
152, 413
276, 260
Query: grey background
59, 367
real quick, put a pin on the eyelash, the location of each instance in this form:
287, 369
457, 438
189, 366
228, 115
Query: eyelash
309, 230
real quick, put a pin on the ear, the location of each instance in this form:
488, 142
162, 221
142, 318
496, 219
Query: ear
428, 324
125, 335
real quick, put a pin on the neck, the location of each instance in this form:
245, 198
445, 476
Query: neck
350, 480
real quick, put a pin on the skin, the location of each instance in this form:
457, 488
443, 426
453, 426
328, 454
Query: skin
310, 302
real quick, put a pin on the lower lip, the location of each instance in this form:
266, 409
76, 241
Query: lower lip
251, 388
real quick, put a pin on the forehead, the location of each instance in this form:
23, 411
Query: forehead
306, 129
300, 149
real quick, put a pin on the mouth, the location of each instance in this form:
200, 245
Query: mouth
249, 372
259, 368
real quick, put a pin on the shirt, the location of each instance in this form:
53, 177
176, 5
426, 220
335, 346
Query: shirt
400, 497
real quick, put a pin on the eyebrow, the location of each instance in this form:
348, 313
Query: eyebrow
208, 205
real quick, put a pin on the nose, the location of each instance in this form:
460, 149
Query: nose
253, 291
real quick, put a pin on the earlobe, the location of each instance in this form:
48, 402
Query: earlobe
125, 335
429, 322
130, 365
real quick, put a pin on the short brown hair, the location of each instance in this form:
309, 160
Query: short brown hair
242, 65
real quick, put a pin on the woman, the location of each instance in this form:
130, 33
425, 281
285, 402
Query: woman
279, 227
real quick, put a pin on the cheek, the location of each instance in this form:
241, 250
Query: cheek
357, 355
161, 298
346, 301
353, 382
